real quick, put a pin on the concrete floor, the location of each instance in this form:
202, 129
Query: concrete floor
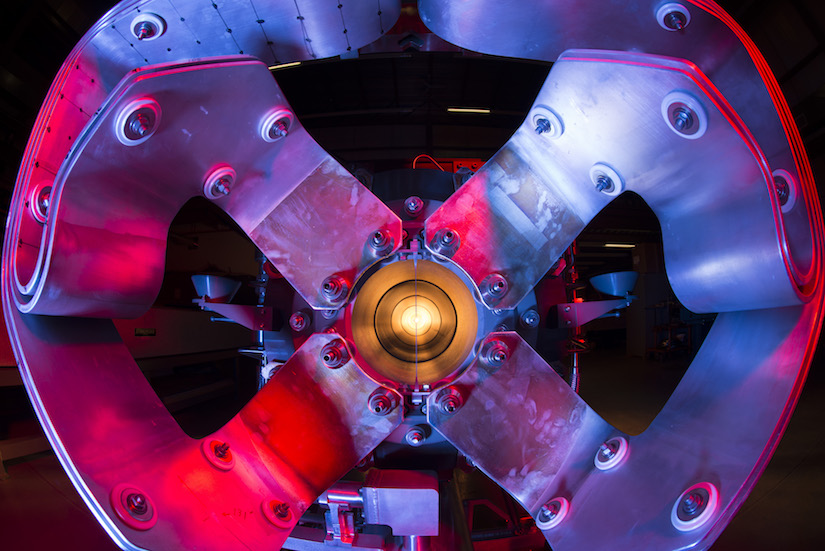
40, 510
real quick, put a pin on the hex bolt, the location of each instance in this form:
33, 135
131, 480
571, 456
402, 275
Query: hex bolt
682, 119
381, 242
334, 354
381, 402
543, 125
137, 505
692, 504
415, 436
139, 124
413, 206
675, 20
495, 353
783, 190
604, 184
334, 288
450, 401
145, 29
552, 513
281, 510
493, 288
530, 319
279, 128
222, 450
549, 511
221, 186
445, 242
298, 321
607, 451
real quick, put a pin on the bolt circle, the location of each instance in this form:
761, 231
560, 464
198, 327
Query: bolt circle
133, 507
552, 513
695, 507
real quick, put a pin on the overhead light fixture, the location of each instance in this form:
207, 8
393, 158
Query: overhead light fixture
619, 245
284, 66
477, 110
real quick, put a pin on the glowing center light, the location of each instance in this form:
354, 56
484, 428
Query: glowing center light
416, 320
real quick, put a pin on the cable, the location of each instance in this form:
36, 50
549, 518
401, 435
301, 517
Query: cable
433, 161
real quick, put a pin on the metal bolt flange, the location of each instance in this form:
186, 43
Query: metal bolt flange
530, 319
416, 436
684, 114
382, 402
611, 453
381, 242
218, 454
219, 182
276, 124
493, 288
147, 26
495, 353
40, 203
279, 513
137, 121
673, 16
298, 321
334, 354
449, 401
334, 289
133, 506
552, 513
445, 242
695, 507
413, 206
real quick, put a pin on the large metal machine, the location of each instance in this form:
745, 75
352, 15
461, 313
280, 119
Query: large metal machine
417, 342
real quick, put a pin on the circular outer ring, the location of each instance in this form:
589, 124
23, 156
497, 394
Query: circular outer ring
208, 446
621, 453
671, 7
380, 364
269, 120
125, 112
704, 516
544, 112
117, 498
792, 188
677, 96
151, 18
268, 508
601, 169
556, 520
218, 173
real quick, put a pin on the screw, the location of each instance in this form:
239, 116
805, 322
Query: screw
298, 321
495, 353
450, 401
783, 190
682, 119
334, 288
334, 354
543, 125
145, 30
675, 20
530, 318
381, 402
604, 184
415, 437
221, 186
137, 504
222, 450
282, 510
279, 128
413, 206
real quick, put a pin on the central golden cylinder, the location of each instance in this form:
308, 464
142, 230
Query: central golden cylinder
409, 318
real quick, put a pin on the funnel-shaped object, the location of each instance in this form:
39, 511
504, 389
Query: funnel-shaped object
216, 288
616, 284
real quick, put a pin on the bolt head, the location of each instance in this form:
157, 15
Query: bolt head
334, 288
381, 403
415, 437
543, 125
530, 318
137, 504
413, 206
298, 321
334, 354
